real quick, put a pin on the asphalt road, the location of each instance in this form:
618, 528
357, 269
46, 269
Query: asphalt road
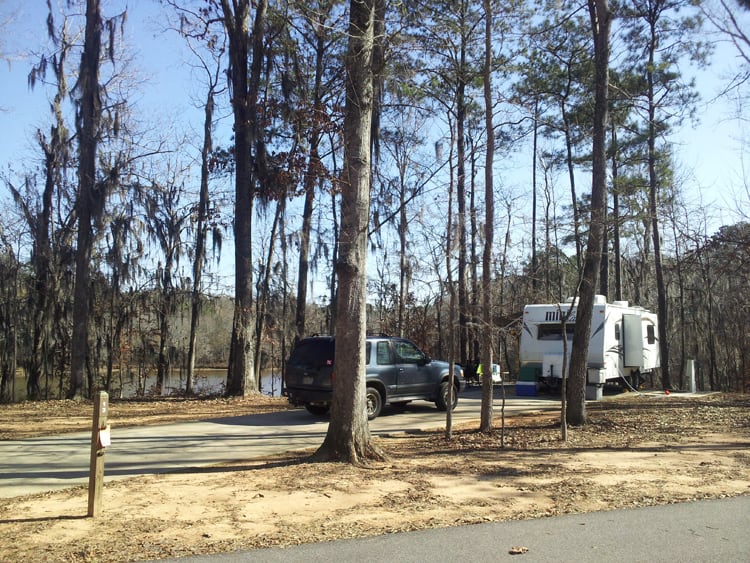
703, 531
55, 462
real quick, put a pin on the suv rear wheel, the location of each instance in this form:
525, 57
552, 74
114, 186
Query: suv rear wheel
317, 410
374, 403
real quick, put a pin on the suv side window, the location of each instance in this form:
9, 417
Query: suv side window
384, 353
407, 353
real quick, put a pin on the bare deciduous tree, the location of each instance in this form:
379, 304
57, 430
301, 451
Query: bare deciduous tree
92, 190
245, 87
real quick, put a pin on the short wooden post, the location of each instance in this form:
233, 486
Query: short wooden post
99, 441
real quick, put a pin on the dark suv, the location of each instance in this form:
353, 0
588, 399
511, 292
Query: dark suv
397, 372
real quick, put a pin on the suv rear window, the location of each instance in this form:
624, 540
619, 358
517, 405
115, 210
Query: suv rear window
319, 352
314, 353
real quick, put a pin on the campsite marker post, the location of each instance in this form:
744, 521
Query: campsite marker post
100, 439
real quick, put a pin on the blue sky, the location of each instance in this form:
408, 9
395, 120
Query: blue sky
711, 153
166, 87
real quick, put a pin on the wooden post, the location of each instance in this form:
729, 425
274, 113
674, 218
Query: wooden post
99, 441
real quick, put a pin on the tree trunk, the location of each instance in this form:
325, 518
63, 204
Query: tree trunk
42, 227
265, 288
600, 24
90, 201
549, 225
451, 300
311, 178
461, 109
473, 281
333, 287
661, 288
300, 320
240, 380
166, 308
463, 299
682, 327
9, 326
572, 181
485, 424
403, 277
616, 216
199, 260
534, 164
162, 362
348, 438
604, 263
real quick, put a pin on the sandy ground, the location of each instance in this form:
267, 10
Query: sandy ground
637, 450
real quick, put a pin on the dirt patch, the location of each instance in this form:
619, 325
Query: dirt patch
637, 450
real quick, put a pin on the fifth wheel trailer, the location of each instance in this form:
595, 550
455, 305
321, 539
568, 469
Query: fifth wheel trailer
622, 348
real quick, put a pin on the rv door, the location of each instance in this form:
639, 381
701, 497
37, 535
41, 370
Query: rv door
632, 346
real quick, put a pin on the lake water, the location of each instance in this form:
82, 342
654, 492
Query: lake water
206, 382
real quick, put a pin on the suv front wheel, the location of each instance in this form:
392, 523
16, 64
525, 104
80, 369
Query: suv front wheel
442, 399
374, 403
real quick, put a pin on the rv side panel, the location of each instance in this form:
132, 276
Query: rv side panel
623, 344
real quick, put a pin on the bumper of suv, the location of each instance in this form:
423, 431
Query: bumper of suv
303, 396
461, 385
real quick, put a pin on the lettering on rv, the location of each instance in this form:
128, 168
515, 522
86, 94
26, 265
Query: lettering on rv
555, 316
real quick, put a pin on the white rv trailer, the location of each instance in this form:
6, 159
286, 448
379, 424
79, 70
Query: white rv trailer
623, 345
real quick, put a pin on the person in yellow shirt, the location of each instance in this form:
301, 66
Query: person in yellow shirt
496, 378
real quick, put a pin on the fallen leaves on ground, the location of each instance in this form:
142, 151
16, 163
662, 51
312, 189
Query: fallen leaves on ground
635, 450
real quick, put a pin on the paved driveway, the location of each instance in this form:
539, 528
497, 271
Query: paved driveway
55, 462
714, 530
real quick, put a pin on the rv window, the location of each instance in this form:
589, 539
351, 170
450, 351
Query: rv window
554, 332
650, 334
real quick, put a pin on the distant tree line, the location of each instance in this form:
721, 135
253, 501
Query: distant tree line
113, 234
709, 309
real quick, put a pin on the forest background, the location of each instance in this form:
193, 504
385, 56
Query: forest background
161, 236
